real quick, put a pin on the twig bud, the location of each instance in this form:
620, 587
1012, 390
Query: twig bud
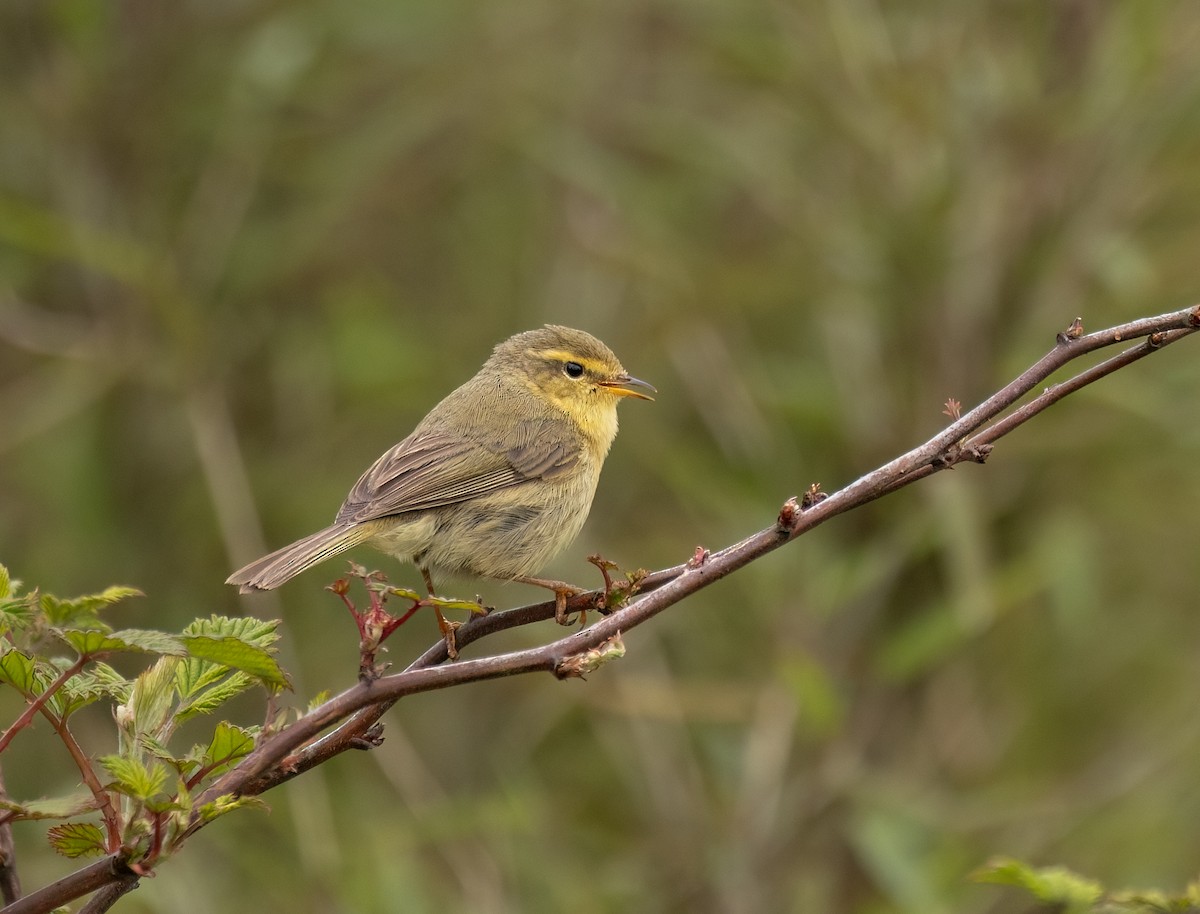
579, 665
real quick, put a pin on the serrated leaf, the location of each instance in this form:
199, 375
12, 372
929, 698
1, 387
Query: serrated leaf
319, 699
23, 672
133, 777
84, 688
163, 804
258, 632
105, 681
228, 803
74, 613
228, 744
16, 615
149, 705
197, 678
5, 583
67, 700
77, 839
1053, 884
238, 654
212, 698
90, 642
156, 749
193, 676
52, 807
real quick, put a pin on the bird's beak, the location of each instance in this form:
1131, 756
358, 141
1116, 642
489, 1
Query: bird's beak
625, 386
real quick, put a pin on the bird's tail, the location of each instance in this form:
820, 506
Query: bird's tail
284, 564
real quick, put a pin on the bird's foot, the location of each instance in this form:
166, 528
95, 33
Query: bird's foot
562, 592
447, 627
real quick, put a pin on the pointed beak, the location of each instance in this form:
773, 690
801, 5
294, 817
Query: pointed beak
625, 386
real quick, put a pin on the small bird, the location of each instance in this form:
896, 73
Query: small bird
495, 481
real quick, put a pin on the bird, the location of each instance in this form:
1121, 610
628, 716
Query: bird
496, 480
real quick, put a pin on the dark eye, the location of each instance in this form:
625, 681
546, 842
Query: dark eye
573, 370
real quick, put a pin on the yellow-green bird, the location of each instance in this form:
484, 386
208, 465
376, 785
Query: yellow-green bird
495, 481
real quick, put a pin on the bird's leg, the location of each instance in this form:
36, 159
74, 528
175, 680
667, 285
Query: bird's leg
562, 590
446, 627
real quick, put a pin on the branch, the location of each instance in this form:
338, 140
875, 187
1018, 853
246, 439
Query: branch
112, 821
287, 752
40, 701
111, 871
368, 700
10, 883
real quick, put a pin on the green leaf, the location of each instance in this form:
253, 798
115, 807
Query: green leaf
238, 654
164, 803
90, 642
1054, 885
258, 632
228, 803
192, 676
212, 698
149, 705
159, 750
404, 593
16, 615
319, 699
51, 808
105, 681
468, 605
100, 682
5, 583
77, 839
133, 777
229, 743
24, 673
1156, 902
80, 611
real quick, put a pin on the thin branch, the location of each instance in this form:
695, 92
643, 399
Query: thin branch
10, 883
110, 895
40, 701
1050, 396
281, 755
671, 586
107, 872
112, 821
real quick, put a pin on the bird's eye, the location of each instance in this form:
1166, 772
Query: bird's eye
573, 370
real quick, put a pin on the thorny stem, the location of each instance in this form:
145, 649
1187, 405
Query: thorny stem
39, 702
112, 822
283, 754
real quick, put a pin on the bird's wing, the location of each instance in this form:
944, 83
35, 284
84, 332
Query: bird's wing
433, 469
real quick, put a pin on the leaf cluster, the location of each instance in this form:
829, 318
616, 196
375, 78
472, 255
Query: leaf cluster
1062, 890
139, 801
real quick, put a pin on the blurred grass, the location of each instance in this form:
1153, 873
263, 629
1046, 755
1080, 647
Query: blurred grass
245, 246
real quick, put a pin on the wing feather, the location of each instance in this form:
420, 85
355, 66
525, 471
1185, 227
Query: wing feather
432, 469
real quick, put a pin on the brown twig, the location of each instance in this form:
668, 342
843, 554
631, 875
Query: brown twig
10, 883
367, 701
112, 821
39, 702
285, 753
109, 872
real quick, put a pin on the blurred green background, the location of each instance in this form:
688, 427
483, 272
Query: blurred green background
246, 244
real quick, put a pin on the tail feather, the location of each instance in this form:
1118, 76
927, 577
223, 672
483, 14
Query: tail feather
284, 564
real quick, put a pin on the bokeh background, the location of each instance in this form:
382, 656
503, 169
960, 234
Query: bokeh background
246, 244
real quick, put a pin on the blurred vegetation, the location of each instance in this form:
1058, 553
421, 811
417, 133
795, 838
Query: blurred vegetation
244, 246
